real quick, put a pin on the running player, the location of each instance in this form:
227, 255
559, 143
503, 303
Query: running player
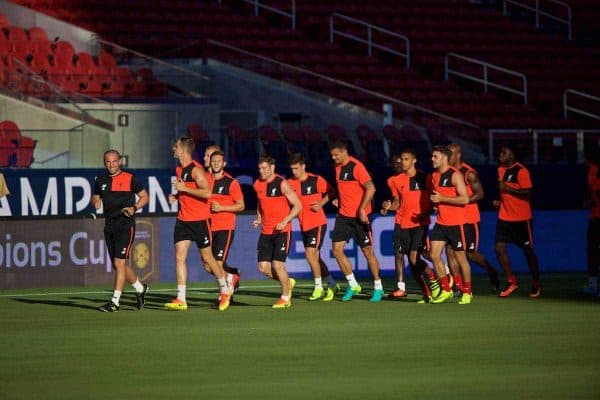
515, 219
314, 192
226, 201
410, 190
471, 228
273, 212
115, 191
450, 196
355, 191
593, 232
193, 192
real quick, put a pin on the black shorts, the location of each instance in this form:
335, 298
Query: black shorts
273, 247
314, 237
453, 235
347, 227
517, 232
119, 238
472, 237
593, 234
410, 239
196, 231
221, 241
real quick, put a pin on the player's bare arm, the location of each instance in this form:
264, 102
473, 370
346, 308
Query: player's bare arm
202, 191
390, 205
143, 199
366, 199
96, 201
520, 193
236, 207
476, 186
294, 201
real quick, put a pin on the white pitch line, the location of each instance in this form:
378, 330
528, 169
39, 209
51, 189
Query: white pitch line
207, 290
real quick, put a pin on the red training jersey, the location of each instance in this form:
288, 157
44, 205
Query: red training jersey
310, 190
350, 179
594, 186
472, 209
226, 191
413, 193
513, 208
274, 206
191, 208
448, 214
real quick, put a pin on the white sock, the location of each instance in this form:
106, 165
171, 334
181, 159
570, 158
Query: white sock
137, 285
116, 297
377, 284
285, 298
319, 283
229, 278
447, 269
223, 286
593, 282
330, 281
402, 286
181, 292
351, 280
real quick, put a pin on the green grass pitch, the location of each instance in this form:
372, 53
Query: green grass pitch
54, 344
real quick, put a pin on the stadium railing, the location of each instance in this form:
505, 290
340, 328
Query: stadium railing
554, 10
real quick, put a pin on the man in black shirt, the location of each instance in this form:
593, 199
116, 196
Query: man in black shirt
115, 191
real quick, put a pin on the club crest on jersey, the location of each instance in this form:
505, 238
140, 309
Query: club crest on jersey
309, 190
220, 191
445, 182
273, 192
185, 176
104, 185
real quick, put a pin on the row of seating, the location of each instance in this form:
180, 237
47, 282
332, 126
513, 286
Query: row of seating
72, 72
16, 150
343, 61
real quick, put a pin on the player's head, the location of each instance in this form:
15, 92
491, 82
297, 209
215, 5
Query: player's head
339, 151
455, 154
266, 167
507, 155
208, 152
408, 159
217, 161
297, 165
184, 146
112, 161
440, 156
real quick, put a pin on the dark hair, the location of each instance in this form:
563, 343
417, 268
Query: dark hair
443, 150
408, 150
217, 153
338, 144
266, 159
188, 143
296, 158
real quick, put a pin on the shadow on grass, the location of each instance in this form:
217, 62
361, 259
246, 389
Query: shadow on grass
60, 303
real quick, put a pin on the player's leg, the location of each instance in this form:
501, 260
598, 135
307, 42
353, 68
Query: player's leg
181, 251
340, 235
465, 273
504, 234
437, 246
281, 246
593, 256
454, 267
